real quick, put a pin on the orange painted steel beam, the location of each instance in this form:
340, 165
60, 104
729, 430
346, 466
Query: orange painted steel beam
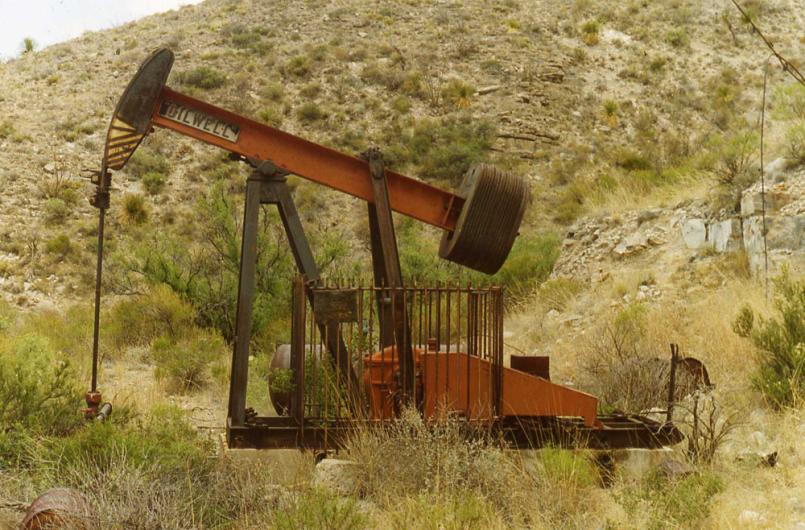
298, 156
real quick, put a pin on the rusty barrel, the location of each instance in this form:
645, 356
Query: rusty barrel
58, 508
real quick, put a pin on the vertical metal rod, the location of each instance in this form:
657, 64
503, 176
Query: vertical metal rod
96, 330
298, 350
672, 383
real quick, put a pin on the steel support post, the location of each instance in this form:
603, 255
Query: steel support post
386, 259
243, 317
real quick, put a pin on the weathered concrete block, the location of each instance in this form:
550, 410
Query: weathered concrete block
694, 232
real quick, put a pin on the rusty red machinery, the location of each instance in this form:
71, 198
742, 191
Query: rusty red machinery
359, 354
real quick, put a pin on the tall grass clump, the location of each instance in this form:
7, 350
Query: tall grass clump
439, 465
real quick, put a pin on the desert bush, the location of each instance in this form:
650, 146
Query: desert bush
205, 274
664, 502
271, 115
744, 322
458, 93
6, 129
163, 441
310, 112
273, 92
444, 148
706, 425
59, 246
795, 142
138, 320
789, 101
146, 160
204, 77
781, 343
725, 92
624, 369
135, 210
298, 66
184, 365
38, 388
154, 182
429, 457
677, 37
401, 105
56, 211
735, 156
590, 32
529, 264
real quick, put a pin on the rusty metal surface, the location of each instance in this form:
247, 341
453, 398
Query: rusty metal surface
315, 162
537, 365
485, 231
59, 508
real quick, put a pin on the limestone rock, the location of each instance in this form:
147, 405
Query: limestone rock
335, 475
694, 232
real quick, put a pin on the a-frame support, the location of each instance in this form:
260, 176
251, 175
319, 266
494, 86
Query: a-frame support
267, 185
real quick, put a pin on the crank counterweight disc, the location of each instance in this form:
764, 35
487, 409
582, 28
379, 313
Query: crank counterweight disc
489, 221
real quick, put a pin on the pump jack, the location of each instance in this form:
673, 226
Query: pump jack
438, 348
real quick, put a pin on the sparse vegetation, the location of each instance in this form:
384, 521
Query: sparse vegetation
205, 77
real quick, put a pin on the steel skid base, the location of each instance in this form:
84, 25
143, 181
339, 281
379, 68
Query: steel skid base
616, 432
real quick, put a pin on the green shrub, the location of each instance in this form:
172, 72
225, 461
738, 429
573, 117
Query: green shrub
60, 246
744, 322
734, 166
458, 93
789, 101
154, 182
38, 387
401, 105
135, 210
795, 142
271, 116
298, 66
163, 442
56, 211
146, 160
310, 90
310, 112
138, 320
673, 503
781, 341
442, 149
677, 37
184, 365
590, 32
530, 263
203, 77
6, 129
274, 92
320, 509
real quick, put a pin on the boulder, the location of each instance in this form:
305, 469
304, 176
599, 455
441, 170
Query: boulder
336, 475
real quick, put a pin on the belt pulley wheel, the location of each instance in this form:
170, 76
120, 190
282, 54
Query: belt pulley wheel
489, 220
